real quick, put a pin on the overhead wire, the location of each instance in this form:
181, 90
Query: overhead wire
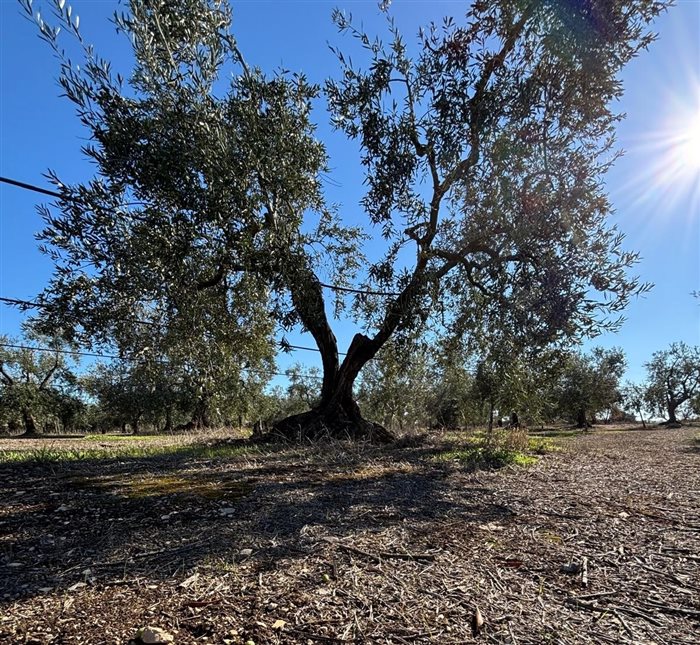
53, 350
333, 287
28, 303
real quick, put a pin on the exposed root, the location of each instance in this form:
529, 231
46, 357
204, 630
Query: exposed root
316, 425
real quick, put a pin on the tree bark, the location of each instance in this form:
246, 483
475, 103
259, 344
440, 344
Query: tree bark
168, 420
201, 417
31, 429
581, 421
337, 415
672, 407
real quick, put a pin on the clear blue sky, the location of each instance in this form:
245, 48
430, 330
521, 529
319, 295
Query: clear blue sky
655, 191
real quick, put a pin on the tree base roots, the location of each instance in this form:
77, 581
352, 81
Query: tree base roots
317, 425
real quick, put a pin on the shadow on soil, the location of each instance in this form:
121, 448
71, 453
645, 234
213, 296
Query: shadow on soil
100, 522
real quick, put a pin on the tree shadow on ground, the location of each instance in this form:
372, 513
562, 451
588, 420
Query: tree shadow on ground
99, 523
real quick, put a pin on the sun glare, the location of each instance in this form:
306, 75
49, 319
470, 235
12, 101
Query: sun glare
668, 167
689, 144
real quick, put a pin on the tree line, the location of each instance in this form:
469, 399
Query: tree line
426, 387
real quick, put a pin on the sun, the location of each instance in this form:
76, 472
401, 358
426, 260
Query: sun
668, 159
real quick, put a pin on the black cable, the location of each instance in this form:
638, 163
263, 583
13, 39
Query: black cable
36, 189
122, 358
51, 193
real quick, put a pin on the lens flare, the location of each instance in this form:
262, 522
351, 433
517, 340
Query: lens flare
668, 160
689, 145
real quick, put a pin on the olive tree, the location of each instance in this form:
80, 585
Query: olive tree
485, 144
30, 380
590, 384
673, 380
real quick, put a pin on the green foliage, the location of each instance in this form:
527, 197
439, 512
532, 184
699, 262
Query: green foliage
396, 387
590, 384
55, 454
38, 388
496, 449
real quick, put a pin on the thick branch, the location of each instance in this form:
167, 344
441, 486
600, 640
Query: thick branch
8, 379
49, 374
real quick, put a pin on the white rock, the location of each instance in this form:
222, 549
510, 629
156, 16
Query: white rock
154, 636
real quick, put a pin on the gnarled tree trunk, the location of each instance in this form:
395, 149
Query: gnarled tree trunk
31, 429
337, 415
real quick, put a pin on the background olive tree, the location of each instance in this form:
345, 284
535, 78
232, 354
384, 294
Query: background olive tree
673, 381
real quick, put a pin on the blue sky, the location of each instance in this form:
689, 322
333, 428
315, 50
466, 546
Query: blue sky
654, 188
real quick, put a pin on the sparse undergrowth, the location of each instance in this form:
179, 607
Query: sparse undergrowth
495, 449
296, 544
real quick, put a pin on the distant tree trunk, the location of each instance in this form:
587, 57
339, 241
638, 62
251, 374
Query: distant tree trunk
672, 406
30, 426
200, 416
168, 420
581, 420
490, 416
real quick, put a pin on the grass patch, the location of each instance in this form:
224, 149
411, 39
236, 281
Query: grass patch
53, 454
117, 438
542, 445
152, 485
482, 456
496, 449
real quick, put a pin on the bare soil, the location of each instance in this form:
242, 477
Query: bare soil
598, 543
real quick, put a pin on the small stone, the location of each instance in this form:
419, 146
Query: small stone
571, 568
227, 511
154, 636
245, 553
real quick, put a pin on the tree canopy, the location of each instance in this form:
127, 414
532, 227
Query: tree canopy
485, 145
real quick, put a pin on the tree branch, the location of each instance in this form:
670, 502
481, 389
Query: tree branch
8, 379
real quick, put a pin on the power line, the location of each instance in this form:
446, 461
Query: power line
62, 351
28, 303
36, 189
51, 193
367, 292
123, 358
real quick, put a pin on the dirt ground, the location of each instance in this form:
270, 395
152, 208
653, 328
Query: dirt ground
596, 543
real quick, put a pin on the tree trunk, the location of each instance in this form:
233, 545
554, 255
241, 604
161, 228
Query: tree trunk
201, 417
168, 420
31, 429
581, 421
672, 407
337, 415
